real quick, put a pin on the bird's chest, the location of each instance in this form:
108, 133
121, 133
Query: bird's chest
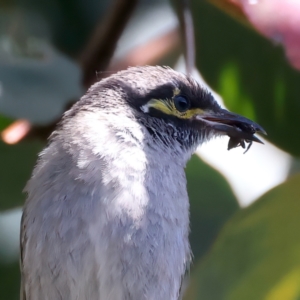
143, 234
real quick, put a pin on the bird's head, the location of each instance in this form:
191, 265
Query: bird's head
173, 107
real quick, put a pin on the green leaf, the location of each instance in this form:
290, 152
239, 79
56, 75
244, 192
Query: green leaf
16, 163
257, 254
38, 90
4, 122
212, 204
250, 73
10, 281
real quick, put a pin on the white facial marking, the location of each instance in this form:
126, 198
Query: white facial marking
145, 108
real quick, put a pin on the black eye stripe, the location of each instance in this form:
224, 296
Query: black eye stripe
181, 103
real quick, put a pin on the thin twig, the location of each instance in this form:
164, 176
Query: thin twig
186, 20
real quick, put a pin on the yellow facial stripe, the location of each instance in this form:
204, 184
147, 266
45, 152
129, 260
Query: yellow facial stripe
191, 113
167, 106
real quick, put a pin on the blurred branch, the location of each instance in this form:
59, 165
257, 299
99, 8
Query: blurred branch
187, 26
100, 48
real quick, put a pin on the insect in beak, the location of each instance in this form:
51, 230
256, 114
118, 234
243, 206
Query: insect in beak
239, 129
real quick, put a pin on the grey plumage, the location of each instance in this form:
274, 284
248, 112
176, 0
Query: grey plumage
107, 213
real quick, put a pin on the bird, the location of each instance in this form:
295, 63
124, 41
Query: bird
107, 211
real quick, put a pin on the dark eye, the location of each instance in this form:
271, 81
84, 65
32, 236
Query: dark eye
181, 103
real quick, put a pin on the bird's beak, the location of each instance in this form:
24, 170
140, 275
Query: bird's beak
238, 128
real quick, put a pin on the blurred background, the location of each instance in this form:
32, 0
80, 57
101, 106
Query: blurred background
245, 208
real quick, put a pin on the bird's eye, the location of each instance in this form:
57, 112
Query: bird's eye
181, 103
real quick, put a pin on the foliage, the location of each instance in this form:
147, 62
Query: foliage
256, 255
